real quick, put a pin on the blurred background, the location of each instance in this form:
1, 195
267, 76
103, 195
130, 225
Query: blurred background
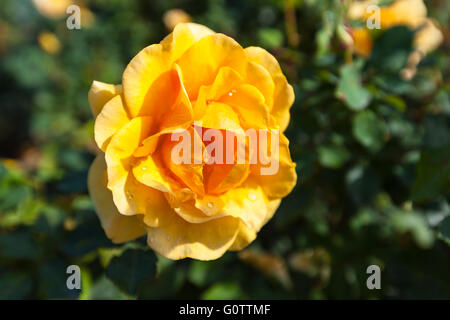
372, 152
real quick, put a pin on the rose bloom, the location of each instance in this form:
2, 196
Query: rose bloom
410, 13
198, 209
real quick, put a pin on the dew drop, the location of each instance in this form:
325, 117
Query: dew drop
144, 168
210, 204
252, 196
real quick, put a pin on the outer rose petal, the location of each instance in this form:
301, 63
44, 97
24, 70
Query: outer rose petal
247, 235
112, 118
175, 110
153, 60
201, 62
260, 78
178, 239
100, 93
283, 99
281, 183
121, 147
140, 74
264, 58
247, 202
183, 37
283, 93
118, 228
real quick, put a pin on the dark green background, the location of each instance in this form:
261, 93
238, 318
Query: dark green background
372, 154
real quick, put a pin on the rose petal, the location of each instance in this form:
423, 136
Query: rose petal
156, 59
178, 239
100, 93
112, 118
283, 92
250, 105
282, 181
118, 228
203, 60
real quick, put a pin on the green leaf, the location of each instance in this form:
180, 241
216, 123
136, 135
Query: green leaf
369, 130
362, 183
350, 89
437, 131
84, 239
396, 102
432, 174
15, 285
333, 156
165, 285
223, 291
271, 38
129, 270
414, 223
18, 245
104, 289
391, 50
199, 272
444, 230
325, 34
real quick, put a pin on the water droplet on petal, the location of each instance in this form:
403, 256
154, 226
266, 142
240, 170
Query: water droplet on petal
252, 196
144, 168
210, 204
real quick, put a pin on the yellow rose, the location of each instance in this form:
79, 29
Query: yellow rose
193, 82
410, 13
